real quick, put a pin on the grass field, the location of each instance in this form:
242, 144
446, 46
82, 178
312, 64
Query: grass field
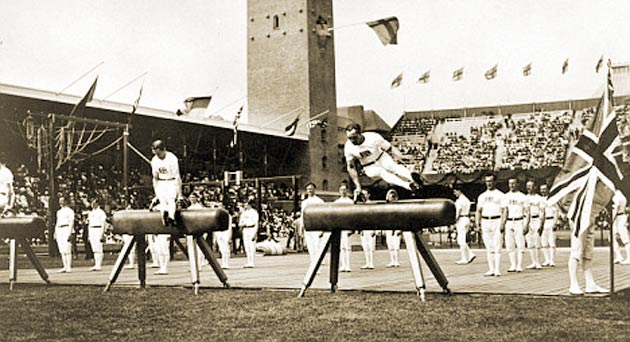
84, 313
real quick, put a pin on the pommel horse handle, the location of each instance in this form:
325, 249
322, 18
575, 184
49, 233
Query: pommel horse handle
409, 216
191, 223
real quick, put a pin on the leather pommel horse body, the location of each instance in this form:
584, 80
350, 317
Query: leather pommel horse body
192, 223
410, 216
20, 229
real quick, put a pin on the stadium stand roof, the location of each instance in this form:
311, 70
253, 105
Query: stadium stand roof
45, 95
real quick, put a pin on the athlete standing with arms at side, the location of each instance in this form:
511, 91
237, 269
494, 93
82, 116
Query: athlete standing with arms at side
346, 249
515, 224
368, 241
462, 219
63, 230
536, 222
548, 236
312, 238
489, 217
96, 227
392, 237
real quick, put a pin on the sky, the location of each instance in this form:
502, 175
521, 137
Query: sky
198, 48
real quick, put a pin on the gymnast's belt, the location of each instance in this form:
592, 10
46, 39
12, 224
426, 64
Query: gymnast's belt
96, 226
64, 225
249, 226
515, 218
490, 217
535, 216
168, 179
549, 218
374, 161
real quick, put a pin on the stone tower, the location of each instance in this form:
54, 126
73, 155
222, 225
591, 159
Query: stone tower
291, 70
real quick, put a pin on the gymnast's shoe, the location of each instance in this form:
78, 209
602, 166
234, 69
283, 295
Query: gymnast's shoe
489, 273
471, 259
460, 262
596, 289
576, 291
161, 272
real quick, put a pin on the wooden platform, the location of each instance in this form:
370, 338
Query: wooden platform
287, 272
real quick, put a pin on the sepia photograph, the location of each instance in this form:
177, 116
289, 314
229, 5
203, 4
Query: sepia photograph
314, 170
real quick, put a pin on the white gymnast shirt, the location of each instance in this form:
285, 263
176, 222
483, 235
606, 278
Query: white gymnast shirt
369, 151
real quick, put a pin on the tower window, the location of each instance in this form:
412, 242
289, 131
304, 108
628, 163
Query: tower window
276, 22
324, 162
325, 185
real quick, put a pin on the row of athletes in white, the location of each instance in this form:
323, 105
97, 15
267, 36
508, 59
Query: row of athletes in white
314, 241
523, 218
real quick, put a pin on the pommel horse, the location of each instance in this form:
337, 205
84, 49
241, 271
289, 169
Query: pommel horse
20, 230
410, 216
192, 223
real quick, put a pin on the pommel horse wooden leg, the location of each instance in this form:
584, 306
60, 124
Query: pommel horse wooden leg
428, 257
12, 263
194, 265
314, 267
26, 246
120, 262
205, 249
414, 262
141, 256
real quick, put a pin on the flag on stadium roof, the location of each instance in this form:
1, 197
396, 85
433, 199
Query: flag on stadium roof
237, 117
292, 127
425, 77
397, 81
458, 74
527, 70
492, 73
80, 107
386, 29
591, 172
599, 64
565, 66
136, 103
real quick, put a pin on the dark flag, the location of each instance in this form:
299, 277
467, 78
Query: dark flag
136, 103
492, 73
386, 29
425, 77
527, 70
237, 117
397, 81
565, 66
599, 64
592, 170
80, 107
458, 74
292, 127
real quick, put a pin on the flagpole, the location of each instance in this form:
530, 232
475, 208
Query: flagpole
315, 117
610, 219
124, 86
80, 77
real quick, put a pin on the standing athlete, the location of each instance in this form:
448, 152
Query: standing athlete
63, 232
346, 249
548, 236
620, 220
7, 196
311, 238
96, 226
392, 237
371, 152
462, 212
368, 242
515, 224
167, 182
248, 222
536, 222
489, 217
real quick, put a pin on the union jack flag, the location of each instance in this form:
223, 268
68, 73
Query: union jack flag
593, 169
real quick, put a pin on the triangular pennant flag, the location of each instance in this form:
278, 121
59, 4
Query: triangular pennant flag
237, 117
397, 81
458, 74
565, 66
386, 29
600, 62
292, 127
527, 70
492, 73
425, 77
136, 103
80, 107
